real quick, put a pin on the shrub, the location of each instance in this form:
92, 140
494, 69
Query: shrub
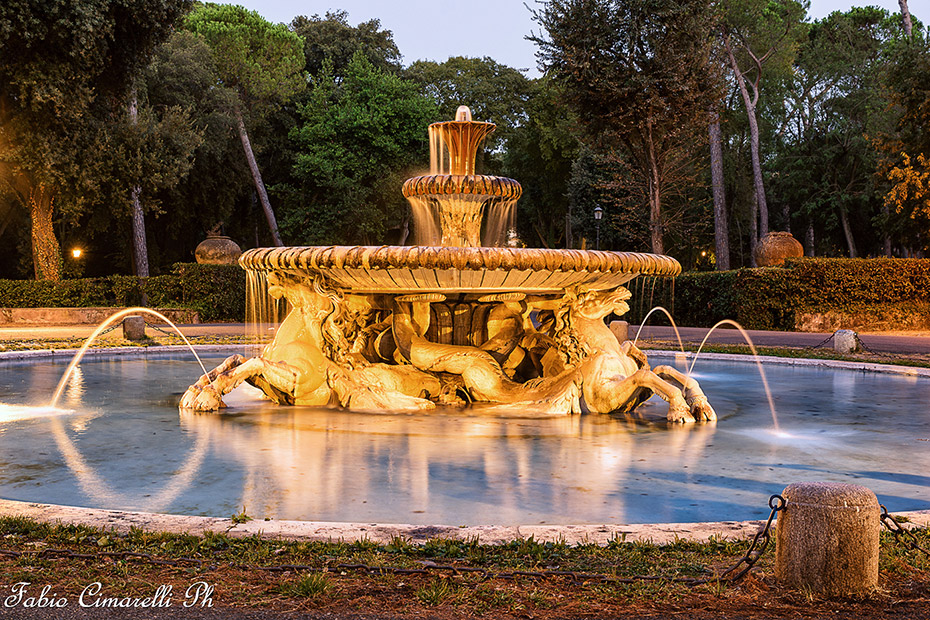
217, 292
772, 298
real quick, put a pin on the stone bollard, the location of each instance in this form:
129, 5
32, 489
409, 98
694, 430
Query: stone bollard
620, 329
845, 341
827, 539
134, 328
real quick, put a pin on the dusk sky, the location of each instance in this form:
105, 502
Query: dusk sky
438, 29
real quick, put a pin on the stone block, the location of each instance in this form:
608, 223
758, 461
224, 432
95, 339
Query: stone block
827, 539
620, 329
134, 328
845, 341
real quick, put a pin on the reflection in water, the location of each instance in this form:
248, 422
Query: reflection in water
95, 487
301, 461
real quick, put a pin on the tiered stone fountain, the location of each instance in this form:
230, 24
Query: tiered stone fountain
395, 328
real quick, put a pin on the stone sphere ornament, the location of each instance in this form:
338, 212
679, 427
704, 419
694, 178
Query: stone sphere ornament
774, 248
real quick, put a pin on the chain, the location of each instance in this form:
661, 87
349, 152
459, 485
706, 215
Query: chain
817, 346
732, 575
901, 535
157, 328
872, 351
109, 329
760, 543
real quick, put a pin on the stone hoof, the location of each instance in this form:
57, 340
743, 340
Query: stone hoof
680, 415
701, 409
198, 398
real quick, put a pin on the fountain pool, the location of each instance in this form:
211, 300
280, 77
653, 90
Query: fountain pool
124, 445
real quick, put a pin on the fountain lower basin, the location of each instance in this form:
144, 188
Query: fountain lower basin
126, 447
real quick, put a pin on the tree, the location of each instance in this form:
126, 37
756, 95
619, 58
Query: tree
65, 66
357, 140
262, 62
218, 187
906, 18
331, 37
721, 229
637, 75
905, 160
823, 156
494, 92
539, 154
755, 34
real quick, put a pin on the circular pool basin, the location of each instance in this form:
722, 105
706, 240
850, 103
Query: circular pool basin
122, 444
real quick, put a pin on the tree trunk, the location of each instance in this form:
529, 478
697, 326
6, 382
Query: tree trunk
886, 245
905, 17
847, 232
655, 194
753, 229
140, 252
46, 253
758, 185
757, 173
257, 178
809, 240
721, 230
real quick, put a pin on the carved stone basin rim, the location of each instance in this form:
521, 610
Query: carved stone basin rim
466, 259
405, 269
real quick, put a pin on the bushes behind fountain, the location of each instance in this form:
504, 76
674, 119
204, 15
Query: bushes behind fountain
216, 292
808, 294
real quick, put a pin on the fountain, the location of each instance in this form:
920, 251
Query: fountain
376, 332
394, 328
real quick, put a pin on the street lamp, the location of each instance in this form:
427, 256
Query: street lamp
598, 214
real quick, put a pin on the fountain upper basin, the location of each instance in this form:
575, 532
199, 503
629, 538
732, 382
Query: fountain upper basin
407, 269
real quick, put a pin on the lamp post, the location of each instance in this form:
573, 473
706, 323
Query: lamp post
598, 214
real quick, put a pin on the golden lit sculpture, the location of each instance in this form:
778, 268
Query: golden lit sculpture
395, 328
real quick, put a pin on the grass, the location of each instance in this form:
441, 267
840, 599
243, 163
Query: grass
326, 584
918, 360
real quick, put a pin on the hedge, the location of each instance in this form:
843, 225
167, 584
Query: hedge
772, 298
217, 292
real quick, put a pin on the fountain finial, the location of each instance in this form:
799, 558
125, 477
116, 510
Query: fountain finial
463, 113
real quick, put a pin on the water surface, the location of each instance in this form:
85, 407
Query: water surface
122, 444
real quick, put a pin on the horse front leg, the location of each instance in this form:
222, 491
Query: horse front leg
623, 393
207, 393
691, 389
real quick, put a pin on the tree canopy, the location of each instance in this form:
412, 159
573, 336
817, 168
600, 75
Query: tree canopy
638, 75
332, 38
66, 66
358, 138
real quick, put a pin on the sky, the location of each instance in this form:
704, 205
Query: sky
438, 29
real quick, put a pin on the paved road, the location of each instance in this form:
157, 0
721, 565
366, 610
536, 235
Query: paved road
882, 342
29, 332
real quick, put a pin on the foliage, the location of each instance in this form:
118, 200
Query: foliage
217, 187
540, 153
494, 92
637, 75
261, 61
771, 298
332, 38
217, 292
66, 67
906, 146
824, 158
357, 140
